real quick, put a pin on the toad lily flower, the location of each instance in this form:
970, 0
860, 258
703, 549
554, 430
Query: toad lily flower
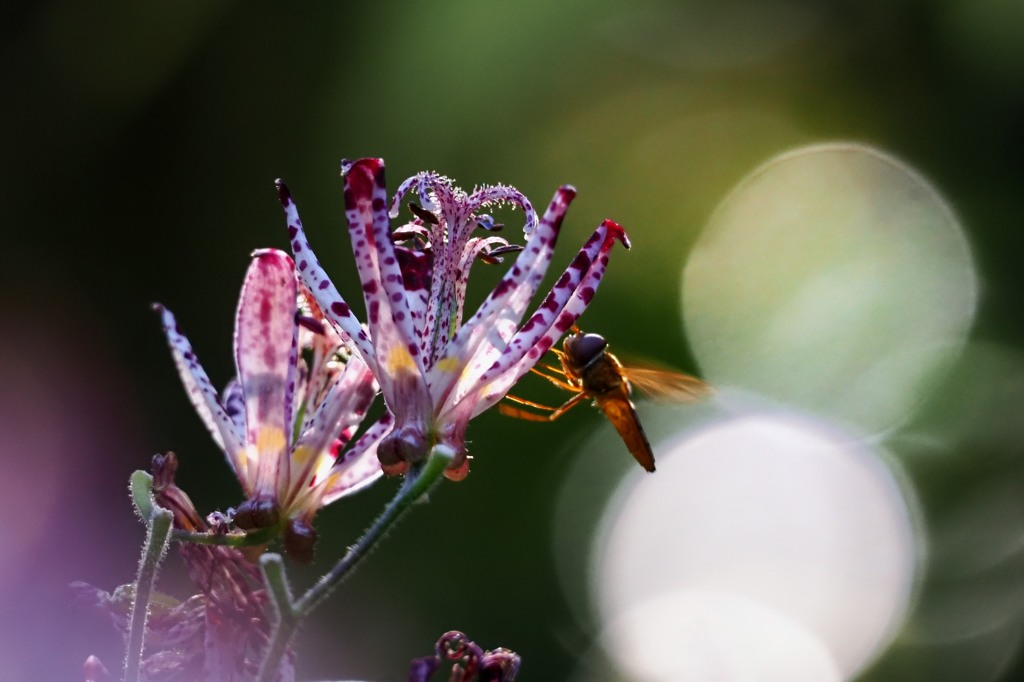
296, 403
436, 372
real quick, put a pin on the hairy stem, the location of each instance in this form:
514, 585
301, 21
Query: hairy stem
288, 616
417, 483
157, 536
141, 486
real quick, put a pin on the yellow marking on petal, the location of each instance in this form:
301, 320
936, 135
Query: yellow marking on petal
322, 468
487, 390
309, 499
399, 360
248, 462
329, 481
301, 456
243, 463
449, 364
270, 439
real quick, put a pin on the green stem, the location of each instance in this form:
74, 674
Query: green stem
287, 616
157, 535
142, 496
141, 487
418, 481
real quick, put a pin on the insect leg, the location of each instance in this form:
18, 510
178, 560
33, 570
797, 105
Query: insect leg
555, 377
556, 412
568, 405
524, 401
519, 413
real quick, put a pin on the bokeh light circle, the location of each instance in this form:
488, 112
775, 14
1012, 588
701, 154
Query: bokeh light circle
788, 514
704, 635
833, 278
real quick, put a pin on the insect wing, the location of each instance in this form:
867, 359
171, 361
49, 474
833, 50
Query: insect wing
665, 384
621, 414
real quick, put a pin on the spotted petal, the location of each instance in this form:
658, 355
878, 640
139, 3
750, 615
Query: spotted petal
417, 268
359, 467
201, 394
340, 413
266, 356
234, 404
396, 344
319, 284
561, 308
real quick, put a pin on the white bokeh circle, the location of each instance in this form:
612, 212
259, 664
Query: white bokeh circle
782, 512
702, 636
833, 278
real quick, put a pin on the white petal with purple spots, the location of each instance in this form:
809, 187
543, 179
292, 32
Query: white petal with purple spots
222, 427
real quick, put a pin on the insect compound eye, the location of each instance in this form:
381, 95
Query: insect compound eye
582, 348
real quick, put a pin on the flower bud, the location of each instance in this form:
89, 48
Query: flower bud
400, 447
300, 540
260, 512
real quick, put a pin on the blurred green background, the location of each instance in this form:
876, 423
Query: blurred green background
140, 143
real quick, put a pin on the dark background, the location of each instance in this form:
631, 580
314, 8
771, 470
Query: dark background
140, 143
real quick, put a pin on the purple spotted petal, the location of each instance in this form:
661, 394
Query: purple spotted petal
341, 411
417, 267
303, 388
316, 280
234, 404
592, 258
319, 343
203, 397
560, 310
399, 367
359, 467
265, 352
379, 269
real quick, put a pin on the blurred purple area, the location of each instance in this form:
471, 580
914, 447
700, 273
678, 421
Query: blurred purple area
71, 426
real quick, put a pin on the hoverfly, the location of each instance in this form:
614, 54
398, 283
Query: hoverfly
591, 372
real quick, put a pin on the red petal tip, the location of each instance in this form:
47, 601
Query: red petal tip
371, 163
273, 257
276, 253
615, 231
